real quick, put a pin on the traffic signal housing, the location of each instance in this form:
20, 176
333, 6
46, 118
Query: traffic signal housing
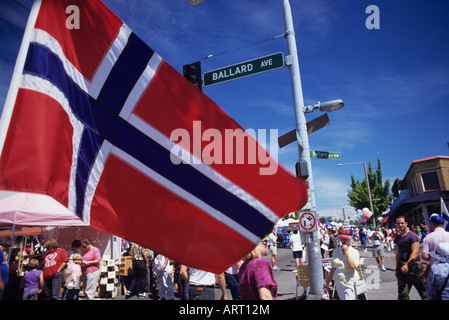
192, 72
302, 171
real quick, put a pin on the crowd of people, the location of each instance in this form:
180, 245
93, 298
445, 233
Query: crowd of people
51, 273
422, 261
422, 257
250, 278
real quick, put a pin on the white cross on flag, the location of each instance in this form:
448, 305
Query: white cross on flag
88, 120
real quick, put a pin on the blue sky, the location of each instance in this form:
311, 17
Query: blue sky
394, 80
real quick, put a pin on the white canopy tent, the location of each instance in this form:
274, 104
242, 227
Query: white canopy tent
37, 210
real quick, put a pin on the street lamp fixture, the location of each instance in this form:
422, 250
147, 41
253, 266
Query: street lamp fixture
367, 186
327, 106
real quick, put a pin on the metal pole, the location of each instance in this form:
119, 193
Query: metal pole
12, 242
369, 193
313, 240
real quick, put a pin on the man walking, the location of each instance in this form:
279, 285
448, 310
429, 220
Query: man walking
140, 263
272, 243
409, 270
377, 239
434, 238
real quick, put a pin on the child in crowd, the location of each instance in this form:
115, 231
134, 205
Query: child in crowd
33, 281
72, 285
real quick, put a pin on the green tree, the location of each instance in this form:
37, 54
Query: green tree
395, 188
380, 191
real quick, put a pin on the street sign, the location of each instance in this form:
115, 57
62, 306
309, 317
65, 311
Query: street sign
289, 137
324, 155
244, 69
318, 123
312, 126
307, 221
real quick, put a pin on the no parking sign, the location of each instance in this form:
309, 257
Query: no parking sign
307, 221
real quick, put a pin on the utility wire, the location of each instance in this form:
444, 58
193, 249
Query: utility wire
21, 5
205, 58
239, 48
12, 24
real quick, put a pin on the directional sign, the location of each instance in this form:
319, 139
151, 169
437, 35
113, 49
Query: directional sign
312, 126
289, 137
324, 155
244, 69
318, 123
307, 221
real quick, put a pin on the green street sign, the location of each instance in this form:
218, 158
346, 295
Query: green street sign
324, 155
244, 69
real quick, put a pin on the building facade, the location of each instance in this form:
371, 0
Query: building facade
421, 190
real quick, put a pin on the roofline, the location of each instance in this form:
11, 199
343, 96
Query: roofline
430, 158
401, 186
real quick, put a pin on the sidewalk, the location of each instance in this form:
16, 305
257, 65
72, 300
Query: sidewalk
382, 285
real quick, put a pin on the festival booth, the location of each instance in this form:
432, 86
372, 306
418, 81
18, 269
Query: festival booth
283, 228
27, 214
110, 249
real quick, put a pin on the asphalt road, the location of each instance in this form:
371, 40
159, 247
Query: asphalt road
381, 285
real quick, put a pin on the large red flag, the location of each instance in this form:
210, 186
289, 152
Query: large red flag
100, 122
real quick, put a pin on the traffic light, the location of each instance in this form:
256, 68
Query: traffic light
192, 72
301, 169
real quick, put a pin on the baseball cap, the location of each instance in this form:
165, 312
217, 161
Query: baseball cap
435, 218
343, 233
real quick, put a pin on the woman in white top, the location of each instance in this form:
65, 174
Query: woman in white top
164, 280
344, 263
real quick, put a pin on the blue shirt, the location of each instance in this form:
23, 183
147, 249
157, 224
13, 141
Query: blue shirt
363, 235
4, 267
437, 276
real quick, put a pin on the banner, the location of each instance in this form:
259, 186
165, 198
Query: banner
100, 122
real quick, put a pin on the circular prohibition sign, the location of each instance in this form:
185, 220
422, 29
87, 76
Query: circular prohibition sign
307, 221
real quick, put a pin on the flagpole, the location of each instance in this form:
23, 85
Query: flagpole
312, 238
444, 213
17, 75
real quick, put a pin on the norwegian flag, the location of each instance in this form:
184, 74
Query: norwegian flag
88, 120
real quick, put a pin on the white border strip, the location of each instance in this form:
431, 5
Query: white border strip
17, 74
45, 39
94, 88
43, 86
109, 61
206, 170
186, 195
126, 113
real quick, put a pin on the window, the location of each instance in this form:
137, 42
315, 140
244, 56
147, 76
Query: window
430, 181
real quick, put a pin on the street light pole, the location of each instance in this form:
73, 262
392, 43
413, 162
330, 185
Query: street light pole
367, 186
369, 193
313, 240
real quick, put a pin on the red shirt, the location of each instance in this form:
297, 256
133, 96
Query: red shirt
53, 261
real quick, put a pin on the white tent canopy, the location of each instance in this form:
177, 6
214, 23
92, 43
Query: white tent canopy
37, 210
29, 209
285, 223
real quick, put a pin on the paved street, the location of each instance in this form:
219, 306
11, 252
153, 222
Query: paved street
382, 285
